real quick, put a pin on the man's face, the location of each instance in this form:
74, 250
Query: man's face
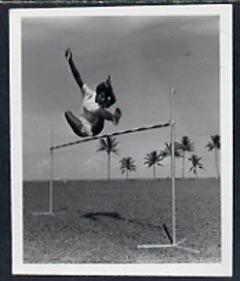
101, 98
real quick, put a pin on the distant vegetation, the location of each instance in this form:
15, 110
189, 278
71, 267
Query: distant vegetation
186, 146
214, 145
196, 164
156, 158
109, 146
152, 159
127, 165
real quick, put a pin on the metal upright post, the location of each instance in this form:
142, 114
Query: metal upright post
174, 243
51, 176
172, 93
50, 183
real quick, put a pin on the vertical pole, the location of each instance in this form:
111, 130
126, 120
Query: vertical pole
172, 93
108, 166
51, 177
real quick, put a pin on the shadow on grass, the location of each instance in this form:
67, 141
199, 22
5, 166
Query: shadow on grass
95, 216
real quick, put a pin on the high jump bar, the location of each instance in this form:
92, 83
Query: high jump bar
124, 132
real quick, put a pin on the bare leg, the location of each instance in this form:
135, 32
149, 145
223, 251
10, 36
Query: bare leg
107, 115
75, 124
98, 124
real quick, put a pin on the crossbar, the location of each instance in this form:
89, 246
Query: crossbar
130, 131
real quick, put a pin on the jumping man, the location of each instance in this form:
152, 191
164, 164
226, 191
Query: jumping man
94, 104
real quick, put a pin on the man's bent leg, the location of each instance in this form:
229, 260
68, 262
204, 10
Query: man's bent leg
111, 117
75, 124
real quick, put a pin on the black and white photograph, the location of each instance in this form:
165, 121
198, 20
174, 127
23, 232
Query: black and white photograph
121, 140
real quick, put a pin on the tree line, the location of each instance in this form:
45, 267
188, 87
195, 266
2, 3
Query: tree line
155, 158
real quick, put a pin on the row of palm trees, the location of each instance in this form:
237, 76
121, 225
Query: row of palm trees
154, 158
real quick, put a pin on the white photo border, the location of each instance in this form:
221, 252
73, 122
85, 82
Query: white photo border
224, 268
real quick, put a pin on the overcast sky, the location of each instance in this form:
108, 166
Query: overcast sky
145, 56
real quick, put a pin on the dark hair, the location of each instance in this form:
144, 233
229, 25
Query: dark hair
101, 88
104, 87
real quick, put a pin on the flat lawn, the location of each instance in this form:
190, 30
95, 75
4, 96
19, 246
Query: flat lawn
103, 222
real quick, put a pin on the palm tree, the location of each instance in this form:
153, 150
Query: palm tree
167, 151
127, 165
110, 146
152, 159
214, 144
195, 161
186, 146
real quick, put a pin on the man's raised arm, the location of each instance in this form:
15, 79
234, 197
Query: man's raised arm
75, 72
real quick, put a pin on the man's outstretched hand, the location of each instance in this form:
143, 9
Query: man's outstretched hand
68, 54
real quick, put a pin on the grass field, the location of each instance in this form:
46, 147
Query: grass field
104, 221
